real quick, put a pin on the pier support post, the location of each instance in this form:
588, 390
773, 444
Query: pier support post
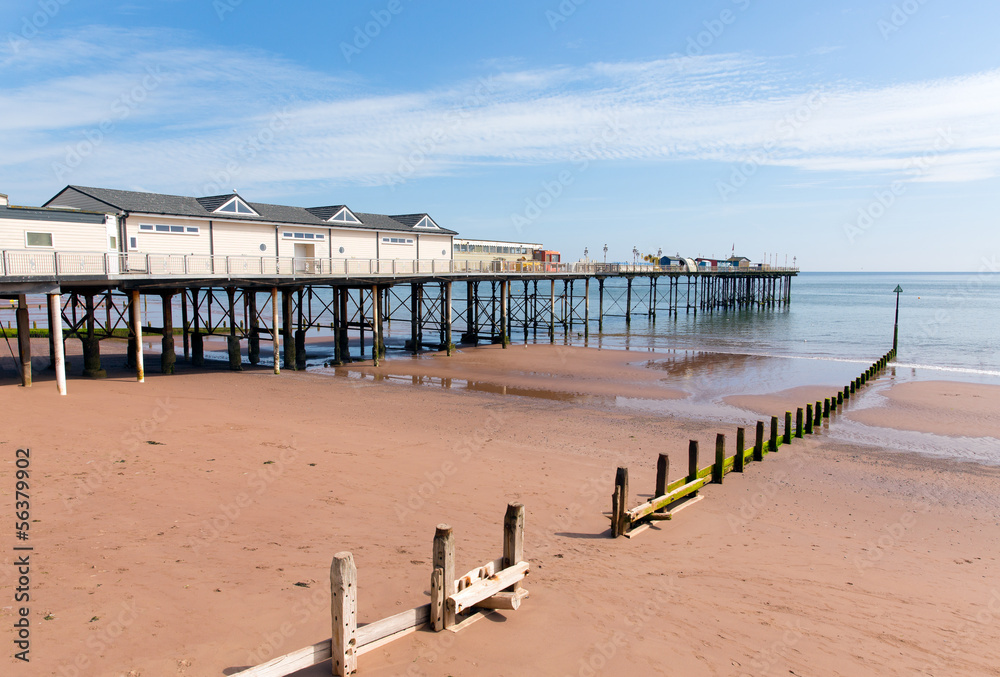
24, 339
197, 339
253, 329
185, 342
92, 344
275, 336
167, 357
586, 308
55, 329
343, 340
300, 334
504, 310
600, 304
376, 321
286, 330
235, 359
552, 311
136, 313
449, 346
628, 303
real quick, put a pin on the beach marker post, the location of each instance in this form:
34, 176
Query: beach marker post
740, 460
895, 329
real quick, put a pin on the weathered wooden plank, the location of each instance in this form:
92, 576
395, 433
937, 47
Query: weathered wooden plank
480, 590
479, 573
503, 601
410, 619
659, 502
290, 662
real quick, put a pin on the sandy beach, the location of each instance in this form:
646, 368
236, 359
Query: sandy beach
185, 526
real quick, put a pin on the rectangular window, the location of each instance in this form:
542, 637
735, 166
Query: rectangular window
38, 239
162, 229
145, 226
192, 229
176, 229
132, 244
112, 242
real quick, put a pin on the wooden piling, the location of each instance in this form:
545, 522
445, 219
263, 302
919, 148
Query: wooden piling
253, 333
719, 468
662, 475
740, 460
773, 443
758, 446
376, 325
167, 356
513, 538
137, 334
185, 334
818, 414
826, 407
788, 428
275, 336
809, 419
443, 557
344, 614
233, 341
55, 329
23, 339
620, 525
449, 346
287, 336
692, 460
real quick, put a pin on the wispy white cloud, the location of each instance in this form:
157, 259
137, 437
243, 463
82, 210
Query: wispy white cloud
209, 116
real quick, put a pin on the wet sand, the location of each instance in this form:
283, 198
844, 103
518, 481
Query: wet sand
186, 527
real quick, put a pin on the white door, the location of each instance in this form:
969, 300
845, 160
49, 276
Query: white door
304, 254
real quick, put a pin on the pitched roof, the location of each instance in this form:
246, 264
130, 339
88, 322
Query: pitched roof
179, 205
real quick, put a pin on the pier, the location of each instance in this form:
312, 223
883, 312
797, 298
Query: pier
279, 300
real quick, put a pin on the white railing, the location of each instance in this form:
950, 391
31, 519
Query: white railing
119, 265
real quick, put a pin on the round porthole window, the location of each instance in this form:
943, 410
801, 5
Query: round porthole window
341, 250
444, 252
263, 247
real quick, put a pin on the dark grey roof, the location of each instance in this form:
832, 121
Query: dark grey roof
44, 214
178, 205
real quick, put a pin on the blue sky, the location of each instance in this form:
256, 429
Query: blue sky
849, 135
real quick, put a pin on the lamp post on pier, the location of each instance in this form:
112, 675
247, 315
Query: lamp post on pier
605, 253
895, 329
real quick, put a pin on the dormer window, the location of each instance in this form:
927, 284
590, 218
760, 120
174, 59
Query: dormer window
237, 206
344, 216
426, 222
